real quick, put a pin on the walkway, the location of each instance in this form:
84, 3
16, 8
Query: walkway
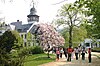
63, 62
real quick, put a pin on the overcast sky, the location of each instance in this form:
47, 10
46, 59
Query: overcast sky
19, 9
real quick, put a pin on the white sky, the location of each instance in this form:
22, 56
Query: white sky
19, 9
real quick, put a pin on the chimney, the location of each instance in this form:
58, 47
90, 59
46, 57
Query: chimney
17, 20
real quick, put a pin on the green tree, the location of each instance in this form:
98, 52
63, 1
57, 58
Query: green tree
64, 33
89, 29
4, 57
93, 9
9, 40
30, 39
70, 16
19, 41
79, 34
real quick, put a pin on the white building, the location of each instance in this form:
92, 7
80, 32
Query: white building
23, 29
6, 27
97, 43
87, 43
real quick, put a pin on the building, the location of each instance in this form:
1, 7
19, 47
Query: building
97, 43
4, 27
87, 43
40, 34
23, 29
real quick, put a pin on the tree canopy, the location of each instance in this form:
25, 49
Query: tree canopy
79, 34
46, 34
71, 16
9, 40
93, 9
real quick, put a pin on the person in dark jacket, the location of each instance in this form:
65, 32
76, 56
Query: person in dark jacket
89, 55
65, 52
83, 53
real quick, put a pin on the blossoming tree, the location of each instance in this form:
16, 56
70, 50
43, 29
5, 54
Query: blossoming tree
47, 35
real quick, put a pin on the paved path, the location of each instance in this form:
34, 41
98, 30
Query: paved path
63, 62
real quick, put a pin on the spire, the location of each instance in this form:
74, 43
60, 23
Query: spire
33, 10
33, 3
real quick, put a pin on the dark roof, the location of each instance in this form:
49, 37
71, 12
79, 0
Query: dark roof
23, 28
32, 15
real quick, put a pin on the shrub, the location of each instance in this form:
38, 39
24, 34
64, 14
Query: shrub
36, 50
96, 49
18, 56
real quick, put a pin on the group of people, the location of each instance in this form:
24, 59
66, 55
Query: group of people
69, 53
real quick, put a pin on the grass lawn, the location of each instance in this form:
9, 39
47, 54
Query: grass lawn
37, 59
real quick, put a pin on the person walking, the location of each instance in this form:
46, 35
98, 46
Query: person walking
70, 50
76, 53
57, 53
65, 52
89, 55
79, 49
83, 53
72, 56
61, 52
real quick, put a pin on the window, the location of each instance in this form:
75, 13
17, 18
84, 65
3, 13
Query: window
0, 32
22, 36
19, 30
25, 36
87, 44
34, 18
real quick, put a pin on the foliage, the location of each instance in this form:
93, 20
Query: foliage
70, 16
96, 49
10, 40
88, 28
64, 33
4, 57
38, 59
46, 34
17, 57
79, 34
8, 59
36, 50
19, 39
93, 9
7, 41
30, 39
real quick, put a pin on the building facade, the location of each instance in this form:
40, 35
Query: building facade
24, 29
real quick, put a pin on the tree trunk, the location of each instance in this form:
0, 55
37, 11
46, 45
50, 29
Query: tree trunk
48, 54
70, 36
